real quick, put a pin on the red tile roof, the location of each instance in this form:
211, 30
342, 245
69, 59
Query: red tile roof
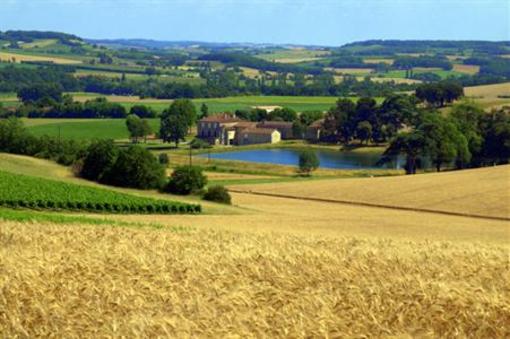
257, 130
222, 118
275, 124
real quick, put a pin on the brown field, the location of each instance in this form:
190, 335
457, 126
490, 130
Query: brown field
378, 61
483, 191
467, 69
6, 56
396, 80
488, 91
355, 71
490, 96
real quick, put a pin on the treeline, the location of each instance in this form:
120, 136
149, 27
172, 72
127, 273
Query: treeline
367, 121
408, 62
391, 47
30, 36
491, 66
246, 60
466, 137
14, 78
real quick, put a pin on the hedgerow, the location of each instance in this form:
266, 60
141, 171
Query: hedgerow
20, 191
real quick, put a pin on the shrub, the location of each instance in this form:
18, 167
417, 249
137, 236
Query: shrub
218, 194
100, 158
308, 162
163, 159
186, 180
136, 167
199, 143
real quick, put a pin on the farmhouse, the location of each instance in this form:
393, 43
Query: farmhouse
218, 129
314, 131
224, 129
257, 135
284, 127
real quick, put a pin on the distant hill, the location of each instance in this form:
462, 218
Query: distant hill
164, 44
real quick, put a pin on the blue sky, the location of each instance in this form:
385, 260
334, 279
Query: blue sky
319, 22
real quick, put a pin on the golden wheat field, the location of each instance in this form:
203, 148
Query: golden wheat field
488, 91
6, 56
268, 266
90, 281
484, 191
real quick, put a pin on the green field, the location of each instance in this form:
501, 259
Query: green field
216, 105
83, 129
402, 74
30, 192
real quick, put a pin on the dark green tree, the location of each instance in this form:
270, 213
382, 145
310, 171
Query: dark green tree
174, 128
364, 131
204, 110
283, 114
136, 167
411, 145
99, 160
143, 111
185, 180
308, 162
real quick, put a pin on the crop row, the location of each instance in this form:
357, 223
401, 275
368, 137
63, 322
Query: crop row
20, 191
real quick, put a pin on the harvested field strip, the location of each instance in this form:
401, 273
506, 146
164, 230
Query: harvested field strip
94, 281
475, 192
21, 191
6, 56
359, 203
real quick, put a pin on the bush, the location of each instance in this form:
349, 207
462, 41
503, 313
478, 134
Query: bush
163, 159
186, 180
199, 143
218, 194
100, 158
136, 167
308, 162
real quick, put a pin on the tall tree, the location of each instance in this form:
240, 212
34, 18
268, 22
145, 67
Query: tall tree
409, 144
204, 110
177, 120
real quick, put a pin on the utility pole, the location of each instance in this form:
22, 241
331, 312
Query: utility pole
190, 161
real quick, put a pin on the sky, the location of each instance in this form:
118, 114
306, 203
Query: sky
313, 22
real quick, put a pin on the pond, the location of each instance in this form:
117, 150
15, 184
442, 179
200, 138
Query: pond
327, 158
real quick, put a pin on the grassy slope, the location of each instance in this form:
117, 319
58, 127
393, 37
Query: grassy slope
484, 191
18, 187
46, 169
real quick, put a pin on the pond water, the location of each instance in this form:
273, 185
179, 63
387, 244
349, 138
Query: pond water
327, 158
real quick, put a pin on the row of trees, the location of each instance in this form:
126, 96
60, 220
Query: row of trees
466, 137
439, 93
368, 121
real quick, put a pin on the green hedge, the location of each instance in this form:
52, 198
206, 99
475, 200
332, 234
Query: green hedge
20, 191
